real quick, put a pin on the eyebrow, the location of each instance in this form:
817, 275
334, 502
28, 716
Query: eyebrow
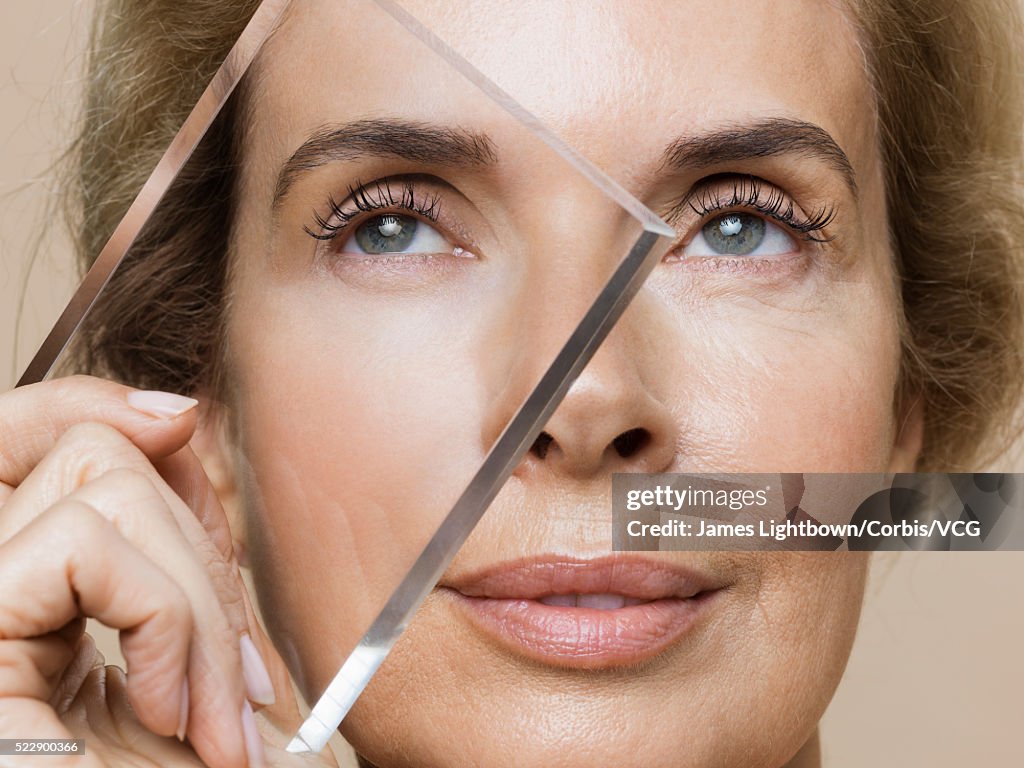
765, 138
413, 141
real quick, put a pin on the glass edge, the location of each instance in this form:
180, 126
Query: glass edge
208, 106
650, 221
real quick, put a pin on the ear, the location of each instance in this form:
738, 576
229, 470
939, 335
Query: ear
906, 449
212, 445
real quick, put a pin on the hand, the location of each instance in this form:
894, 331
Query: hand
105, 512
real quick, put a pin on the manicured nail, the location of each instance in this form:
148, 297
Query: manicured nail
183, 711
163, 405
254, 670
253, 741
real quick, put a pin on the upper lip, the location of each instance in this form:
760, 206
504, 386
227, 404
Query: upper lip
627, 575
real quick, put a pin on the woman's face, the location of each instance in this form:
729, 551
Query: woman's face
374, 366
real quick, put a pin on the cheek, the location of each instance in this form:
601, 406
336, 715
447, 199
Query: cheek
765, 386
796, 638
346, 466
819, 408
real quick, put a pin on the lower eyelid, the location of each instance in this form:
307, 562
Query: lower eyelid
782, 266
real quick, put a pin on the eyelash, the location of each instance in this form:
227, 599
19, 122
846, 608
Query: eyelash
748, 192
368, 198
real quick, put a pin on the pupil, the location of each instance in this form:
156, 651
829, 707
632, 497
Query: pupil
390, 233
734, 234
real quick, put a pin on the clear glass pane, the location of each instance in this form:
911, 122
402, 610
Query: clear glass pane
364, 271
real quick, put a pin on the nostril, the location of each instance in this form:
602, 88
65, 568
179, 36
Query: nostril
631, 442
541, 445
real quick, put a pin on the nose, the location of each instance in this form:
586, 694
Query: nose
616, 416
612, 420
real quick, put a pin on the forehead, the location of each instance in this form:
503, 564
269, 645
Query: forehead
644, 66
606, 75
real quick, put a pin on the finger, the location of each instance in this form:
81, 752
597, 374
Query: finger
33, 668
33, 418
87, 451
105, 702
184, 474
81, 453
86, 656
267, 678
283, 712
72, 560
129, 499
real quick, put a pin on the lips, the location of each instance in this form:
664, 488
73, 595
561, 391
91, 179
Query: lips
588, 614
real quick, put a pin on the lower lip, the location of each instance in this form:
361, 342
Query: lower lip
586, 638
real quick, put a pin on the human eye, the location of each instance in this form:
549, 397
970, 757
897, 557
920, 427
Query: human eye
740, 234
385, 218
745, 219
395, 233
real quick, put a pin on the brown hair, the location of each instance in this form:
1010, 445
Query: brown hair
948, 85
158, 323
949, 92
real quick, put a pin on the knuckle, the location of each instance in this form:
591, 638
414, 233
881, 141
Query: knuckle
33, 418
226, 585
78, 523
221, 581
77, 393
223, 574
73, 384
178, 609
130, 483
80, 528
89, 434
90, 449
129, 499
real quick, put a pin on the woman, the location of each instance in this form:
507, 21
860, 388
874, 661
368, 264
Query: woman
843, 296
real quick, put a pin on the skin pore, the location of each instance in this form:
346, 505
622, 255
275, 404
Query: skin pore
782, 360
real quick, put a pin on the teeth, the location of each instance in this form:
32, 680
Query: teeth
601, 602
560, 600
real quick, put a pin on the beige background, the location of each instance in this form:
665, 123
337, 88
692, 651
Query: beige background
937, 675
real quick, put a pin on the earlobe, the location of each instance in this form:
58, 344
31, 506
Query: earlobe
909, 439
212, 446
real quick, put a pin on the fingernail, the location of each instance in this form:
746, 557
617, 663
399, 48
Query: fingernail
253, 741
257, 678
163, 405
183, 711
